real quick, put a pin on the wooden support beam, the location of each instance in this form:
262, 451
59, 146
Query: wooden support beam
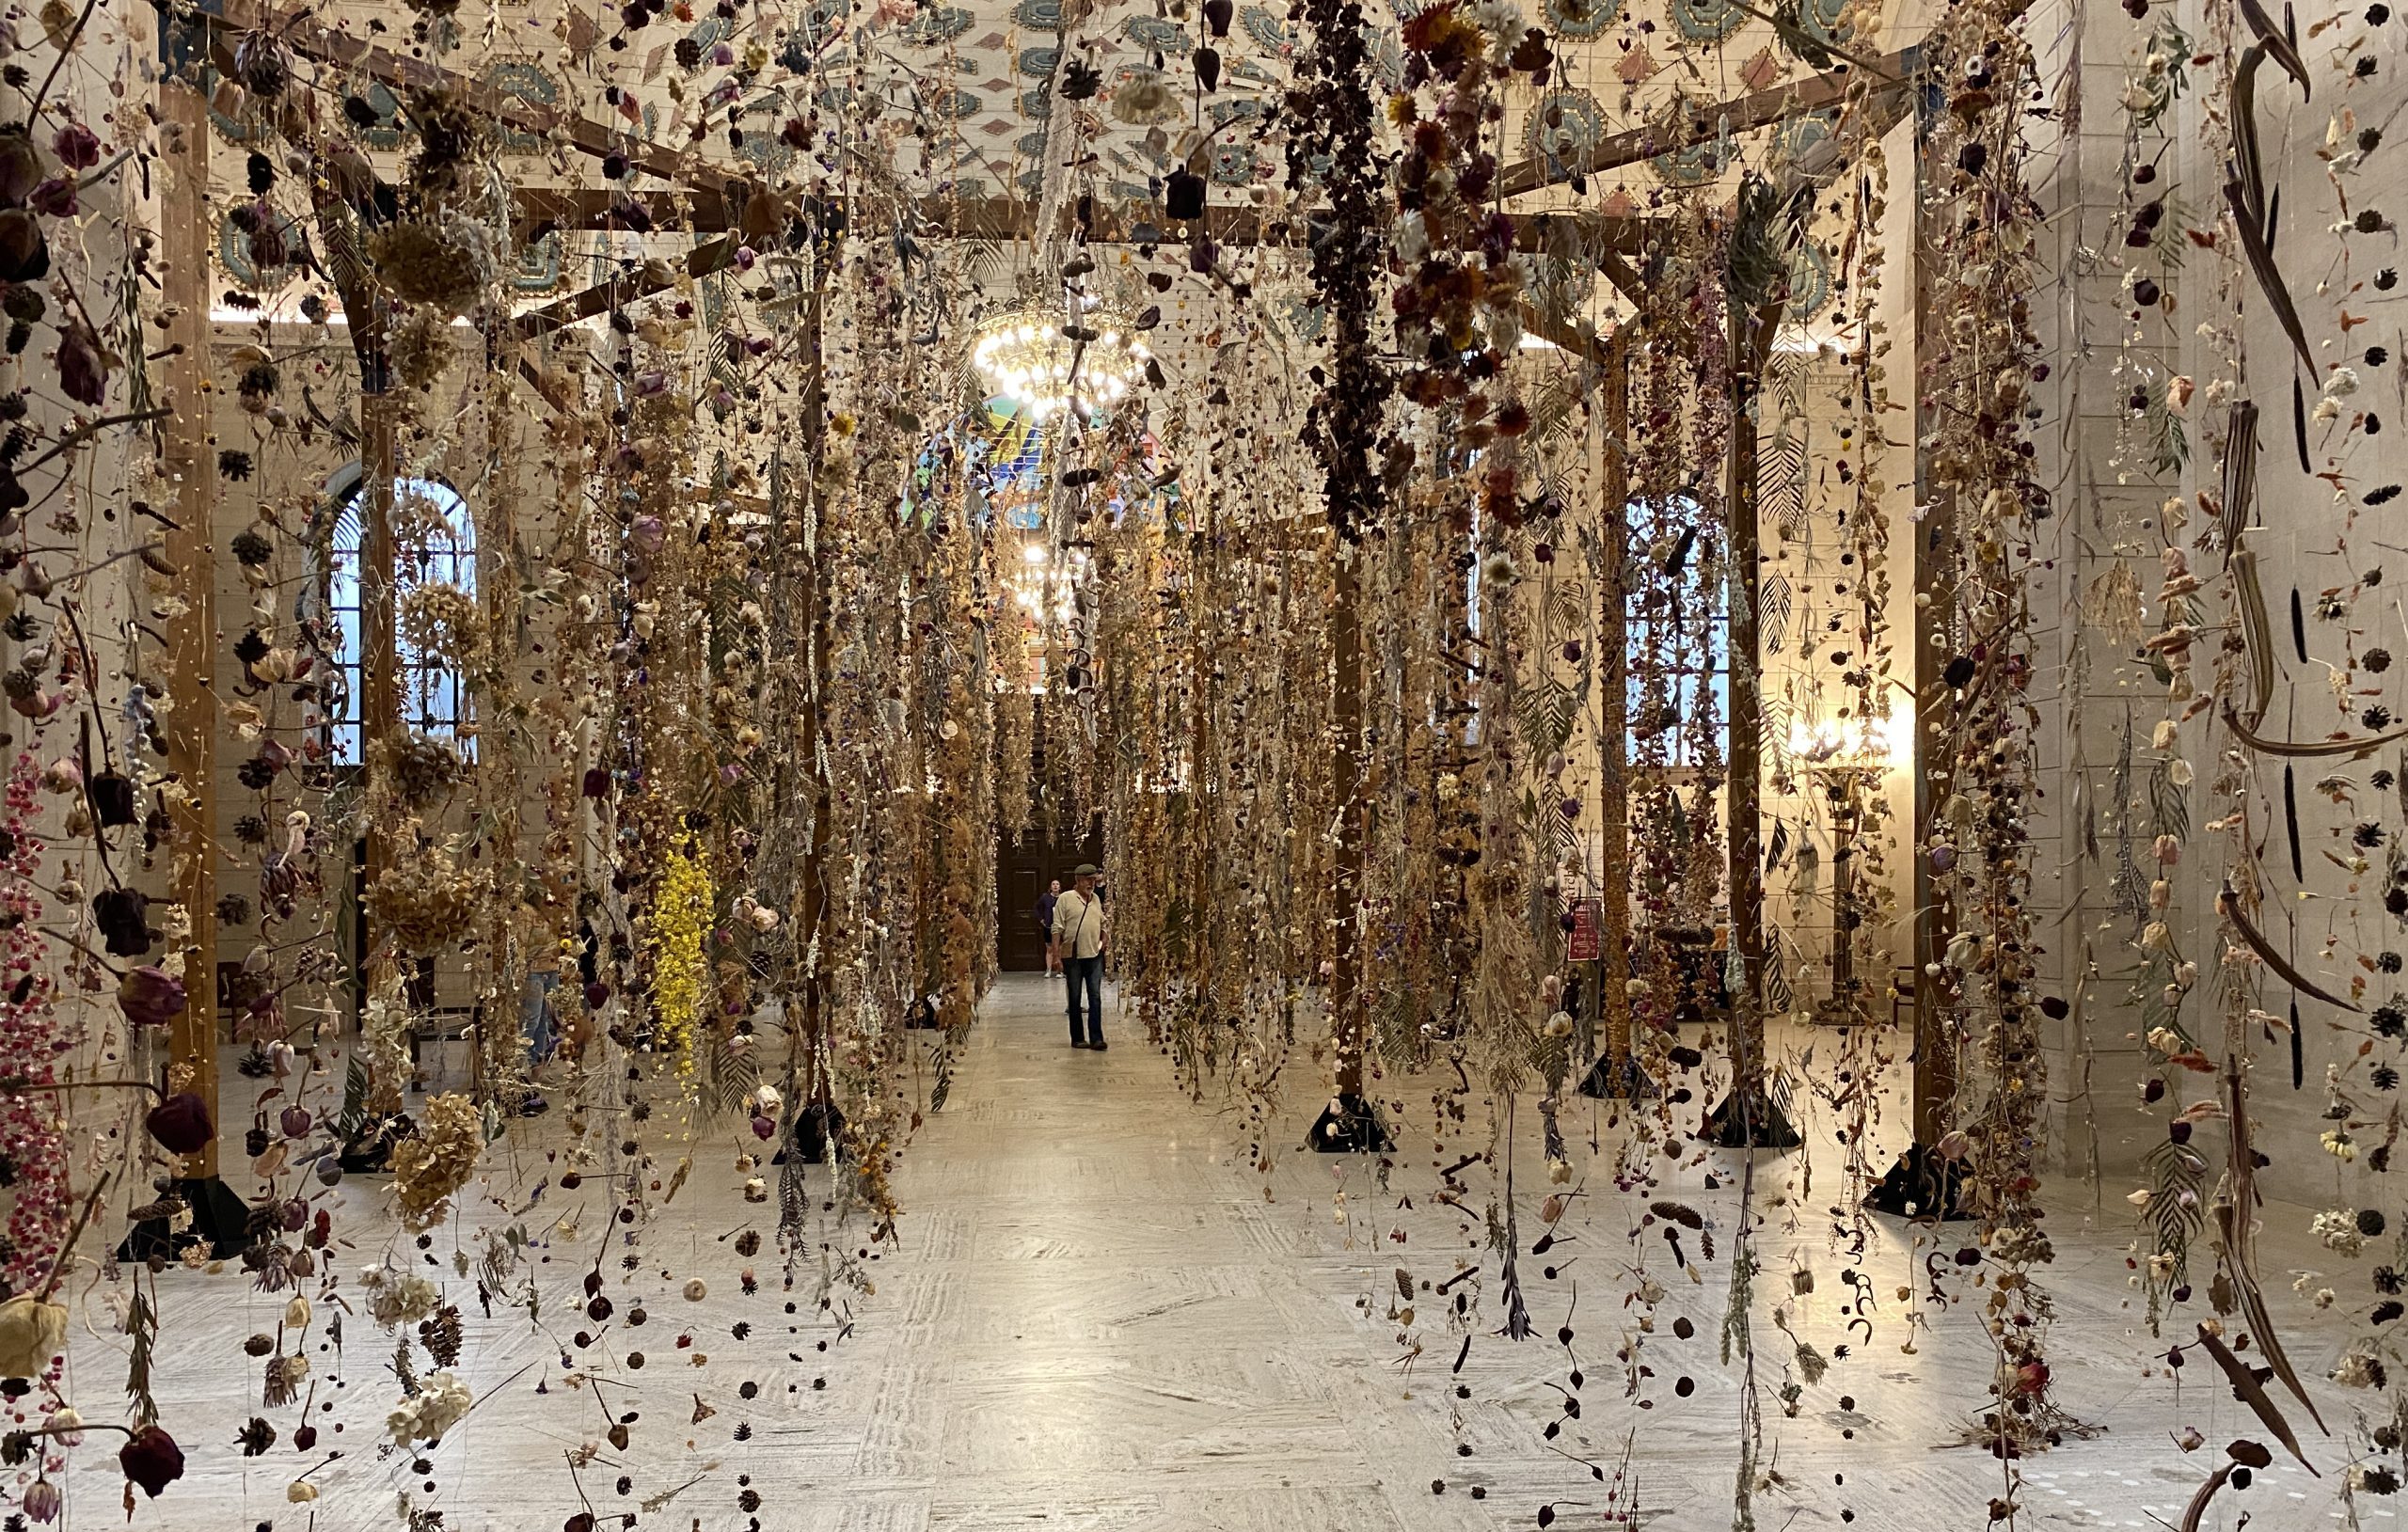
192, 636
1613, 679
1349, 1026
632, 286
1137, 223
1749, 1116
538, 210
324, 44
1757, 109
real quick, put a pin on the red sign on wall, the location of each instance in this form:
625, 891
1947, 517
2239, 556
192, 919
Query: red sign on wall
1586, 943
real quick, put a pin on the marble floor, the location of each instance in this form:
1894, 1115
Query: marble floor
1100, 1317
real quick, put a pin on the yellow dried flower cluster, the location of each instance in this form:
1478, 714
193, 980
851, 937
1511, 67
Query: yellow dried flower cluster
681, 916
427, 902
443, 624
427, 1169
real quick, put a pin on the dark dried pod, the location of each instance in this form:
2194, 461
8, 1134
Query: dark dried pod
181, 1124
260, 64
122, 916
112, 796
21, 168
1183, 197
24, 250
152, 1458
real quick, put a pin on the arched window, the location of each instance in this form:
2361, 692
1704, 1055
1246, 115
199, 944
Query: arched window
1677, 617
434, 542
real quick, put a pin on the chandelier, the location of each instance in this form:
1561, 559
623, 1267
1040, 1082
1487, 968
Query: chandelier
1027, 355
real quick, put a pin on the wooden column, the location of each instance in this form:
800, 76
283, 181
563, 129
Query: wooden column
817, 1083
1349, 1124
1743, 788
1346, 782
379, 699
1613, 671
1920, 1182
192, 634
1935, 577
1748, 1116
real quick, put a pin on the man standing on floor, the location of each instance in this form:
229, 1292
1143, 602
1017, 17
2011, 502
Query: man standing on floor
1045, 902
1079, 935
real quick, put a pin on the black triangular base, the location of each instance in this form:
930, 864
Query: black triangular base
370, 1150
1922, 1186
1349, 1125
1616, 1080
1761, 1126
815, 1126
219, 1219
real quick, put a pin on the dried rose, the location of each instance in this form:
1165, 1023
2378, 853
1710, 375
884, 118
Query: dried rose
77, 147
121, 915
112, 796
151, 1459
83, 371
181, 1124
150, 996
31, 1332
55, 198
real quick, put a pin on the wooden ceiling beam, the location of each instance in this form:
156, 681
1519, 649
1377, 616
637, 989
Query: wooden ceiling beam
324, 44
1005, 218
632, 286
1758, 110
539, 209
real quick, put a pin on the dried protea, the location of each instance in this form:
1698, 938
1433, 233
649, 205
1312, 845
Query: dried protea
416, 770
448, 266
444, 624
427, 1169
260, 66
426, 904
421, 347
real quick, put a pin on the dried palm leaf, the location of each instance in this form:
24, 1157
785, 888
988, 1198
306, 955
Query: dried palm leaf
2303, 749
2234, 1215
2270, 275
2229, 906
2249, 1391
2257, 633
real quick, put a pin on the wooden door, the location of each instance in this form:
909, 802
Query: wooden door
1021, 874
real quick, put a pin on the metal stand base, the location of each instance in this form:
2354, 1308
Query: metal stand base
1350, 1124
219, 1219
1617, 1080
1749, 1119
816, 1128
1922, 1186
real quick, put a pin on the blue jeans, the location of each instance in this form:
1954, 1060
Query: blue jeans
535, 1015
1086, 973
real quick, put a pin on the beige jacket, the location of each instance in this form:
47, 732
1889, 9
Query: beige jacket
1078, 923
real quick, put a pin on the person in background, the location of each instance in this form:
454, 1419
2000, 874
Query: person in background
1079, 935
537, 1019
1045, 902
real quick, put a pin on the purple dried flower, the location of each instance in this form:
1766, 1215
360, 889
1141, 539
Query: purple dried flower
55, 198
151, 1459
77, 147
150, 996
181, 1124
